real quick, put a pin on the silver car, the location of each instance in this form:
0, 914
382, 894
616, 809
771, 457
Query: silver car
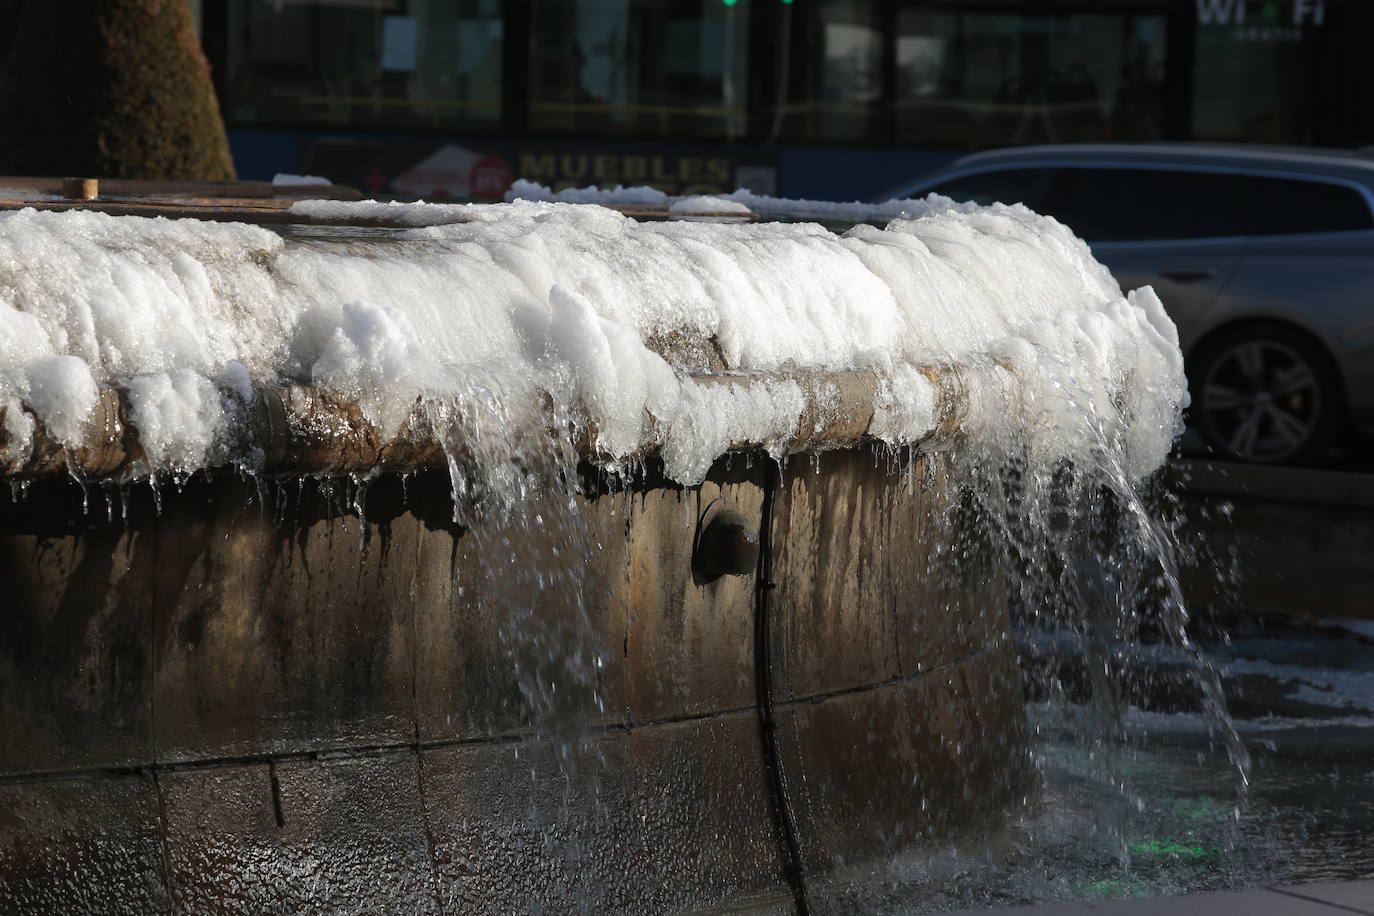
1263, 256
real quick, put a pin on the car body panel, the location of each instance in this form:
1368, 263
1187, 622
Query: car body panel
1189, 277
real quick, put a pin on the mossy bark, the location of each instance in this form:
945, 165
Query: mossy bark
110, 89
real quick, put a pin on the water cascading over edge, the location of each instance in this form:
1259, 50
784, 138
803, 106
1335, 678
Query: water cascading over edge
509, 344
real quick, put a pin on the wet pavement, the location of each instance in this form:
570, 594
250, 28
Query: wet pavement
1160, 821
1296, 900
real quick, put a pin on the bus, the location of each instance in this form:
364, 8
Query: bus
827, 99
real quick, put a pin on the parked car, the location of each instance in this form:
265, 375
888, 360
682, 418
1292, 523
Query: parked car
1263, 256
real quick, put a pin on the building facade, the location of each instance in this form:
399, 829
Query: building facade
824, 98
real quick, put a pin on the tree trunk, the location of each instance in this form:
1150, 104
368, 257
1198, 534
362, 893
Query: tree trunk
110, 89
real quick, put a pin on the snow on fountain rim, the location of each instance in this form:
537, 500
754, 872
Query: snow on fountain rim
738, 201
495, 303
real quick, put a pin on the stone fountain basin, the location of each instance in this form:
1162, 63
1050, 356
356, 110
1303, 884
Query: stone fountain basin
252, 699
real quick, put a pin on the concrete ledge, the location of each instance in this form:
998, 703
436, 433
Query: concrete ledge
1279, 484
1285, 540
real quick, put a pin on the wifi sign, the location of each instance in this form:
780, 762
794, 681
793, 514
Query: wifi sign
1228, 12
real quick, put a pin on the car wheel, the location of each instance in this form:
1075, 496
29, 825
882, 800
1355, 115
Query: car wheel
1265, 395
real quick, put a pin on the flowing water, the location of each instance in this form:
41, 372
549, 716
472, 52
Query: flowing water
1133, 804
1150, 786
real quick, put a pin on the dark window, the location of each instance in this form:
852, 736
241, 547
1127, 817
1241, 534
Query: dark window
1287, 206
1006, 186
640, 68
9, 19
1126, 205
986, 78
840, 87
421, 63
1129, 205
1255, 81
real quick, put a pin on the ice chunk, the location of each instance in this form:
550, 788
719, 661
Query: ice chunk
619, 380
178, 416
26, 194
63, 394
703, 204
375, 357
285, 178
904, 410
707, 418
619, 196
236, 380
19, 426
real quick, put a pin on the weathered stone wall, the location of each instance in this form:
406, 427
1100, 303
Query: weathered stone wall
256, 702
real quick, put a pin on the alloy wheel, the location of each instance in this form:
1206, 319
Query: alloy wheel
1261, 400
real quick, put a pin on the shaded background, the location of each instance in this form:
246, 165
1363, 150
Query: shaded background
832, 99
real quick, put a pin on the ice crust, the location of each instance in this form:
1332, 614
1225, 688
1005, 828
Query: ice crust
489, 308
288, 179
737, 201
705, 204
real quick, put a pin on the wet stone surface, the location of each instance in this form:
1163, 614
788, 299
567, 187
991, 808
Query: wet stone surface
76, 662
280, 639
392, 713
348, 833
878, 575
82, 846
649, 822
950, 774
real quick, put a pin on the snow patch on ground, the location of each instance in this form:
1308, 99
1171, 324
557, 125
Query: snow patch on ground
1334, 687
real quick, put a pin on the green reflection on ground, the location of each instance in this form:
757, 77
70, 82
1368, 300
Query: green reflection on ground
1171, 848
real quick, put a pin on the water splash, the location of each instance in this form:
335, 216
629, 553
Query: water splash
1093, 560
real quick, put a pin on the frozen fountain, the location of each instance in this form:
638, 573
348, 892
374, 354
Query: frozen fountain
531, 557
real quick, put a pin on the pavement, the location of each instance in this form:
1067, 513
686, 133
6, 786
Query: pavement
1338, 899
1301, 692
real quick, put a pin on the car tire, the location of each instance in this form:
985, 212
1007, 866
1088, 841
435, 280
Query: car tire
1265, 395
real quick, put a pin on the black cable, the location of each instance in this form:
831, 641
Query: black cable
783, 817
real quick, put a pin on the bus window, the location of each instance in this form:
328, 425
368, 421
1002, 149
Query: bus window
838, 81
365, 63
979, 79
677, 69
